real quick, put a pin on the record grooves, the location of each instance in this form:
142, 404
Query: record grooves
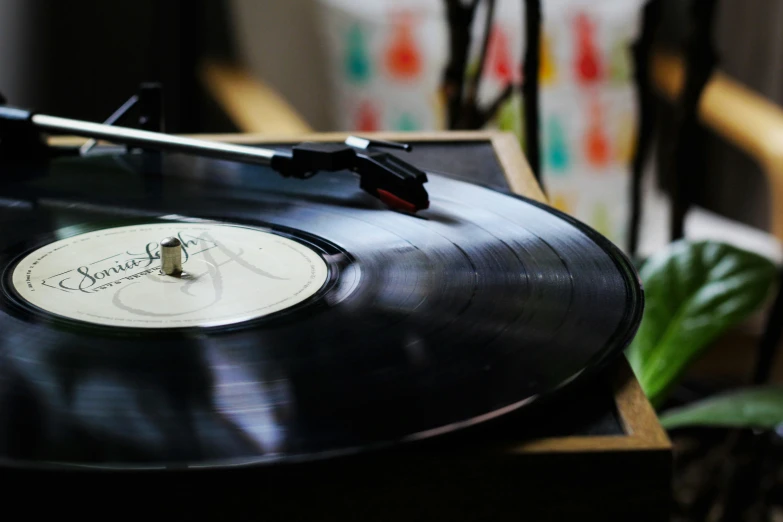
311, 321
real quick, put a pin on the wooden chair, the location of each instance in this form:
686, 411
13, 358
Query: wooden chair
754, 125
708, 97
251, 104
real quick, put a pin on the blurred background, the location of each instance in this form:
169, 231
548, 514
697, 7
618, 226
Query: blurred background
377, 65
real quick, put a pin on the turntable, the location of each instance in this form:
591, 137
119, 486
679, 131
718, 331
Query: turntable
327, 328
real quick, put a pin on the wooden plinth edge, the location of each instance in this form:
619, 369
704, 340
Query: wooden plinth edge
643, 431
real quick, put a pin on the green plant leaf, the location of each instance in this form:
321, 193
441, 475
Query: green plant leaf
749, 408
694, 291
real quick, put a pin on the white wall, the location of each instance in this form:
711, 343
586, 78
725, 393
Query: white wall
280, 42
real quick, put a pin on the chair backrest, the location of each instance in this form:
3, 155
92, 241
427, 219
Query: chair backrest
743, 118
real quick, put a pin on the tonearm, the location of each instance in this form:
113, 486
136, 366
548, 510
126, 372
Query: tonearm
383, 175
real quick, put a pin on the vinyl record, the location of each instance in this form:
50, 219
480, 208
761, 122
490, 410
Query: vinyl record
310, 321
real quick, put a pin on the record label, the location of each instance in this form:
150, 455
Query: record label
113, 277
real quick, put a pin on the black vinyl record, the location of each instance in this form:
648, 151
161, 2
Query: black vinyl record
418, 325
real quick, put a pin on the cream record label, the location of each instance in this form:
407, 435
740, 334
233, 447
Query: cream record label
113, 277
